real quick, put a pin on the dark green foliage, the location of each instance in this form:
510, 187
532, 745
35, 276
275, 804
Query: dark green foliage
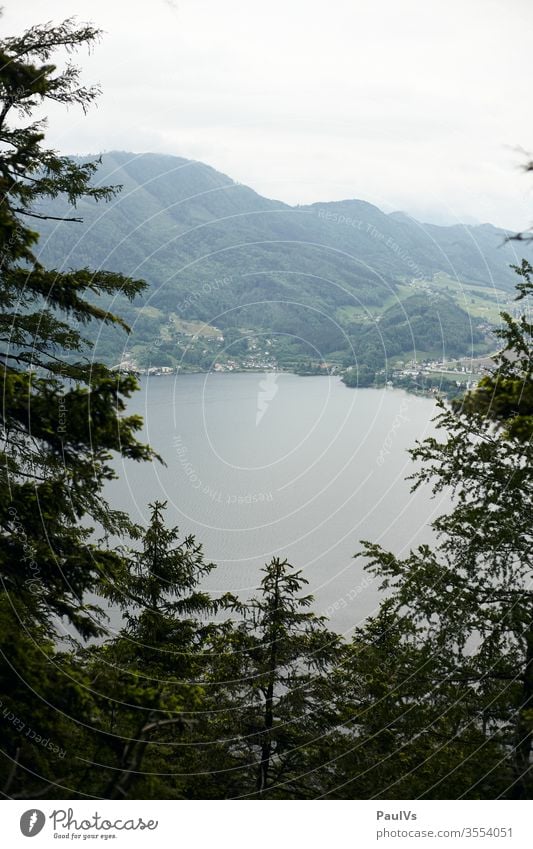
265, 684
506, 395
62, 415
149, 680
470, 596
45, 701
286, 650
433, 325
360, 376
410, 728
197, 697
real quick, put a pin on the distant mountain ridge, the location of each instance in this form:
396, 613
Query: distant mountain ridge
313, 272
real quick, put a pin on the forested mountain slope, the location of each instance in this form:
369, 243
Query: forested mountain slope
214, 250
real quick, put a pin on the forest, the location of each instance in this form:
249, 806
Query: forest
204, 698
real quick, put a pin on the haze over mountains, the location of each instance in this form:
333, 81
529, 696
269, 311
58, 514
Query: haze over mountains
214, 250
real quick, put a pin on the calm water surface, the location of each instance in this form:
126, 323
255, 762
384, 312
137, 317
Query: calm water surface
262, 465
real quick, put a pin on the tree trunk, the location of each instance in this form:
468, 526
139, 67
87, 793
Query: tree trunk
522, 753
266, 745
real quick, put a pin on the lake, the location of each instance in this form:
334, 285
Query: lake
275, 464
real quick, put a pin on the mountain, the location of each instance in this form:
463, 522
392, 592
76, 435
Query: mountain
319, 277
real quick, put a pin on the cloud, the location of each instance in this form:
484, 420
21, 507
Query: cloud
414, 105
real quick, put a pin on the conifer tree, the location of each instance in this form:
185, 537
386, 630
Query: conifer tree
286, 651
62, 415
470, 594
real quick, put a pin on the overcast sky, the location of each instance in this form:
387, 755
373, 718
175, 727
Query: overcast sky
417, 105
